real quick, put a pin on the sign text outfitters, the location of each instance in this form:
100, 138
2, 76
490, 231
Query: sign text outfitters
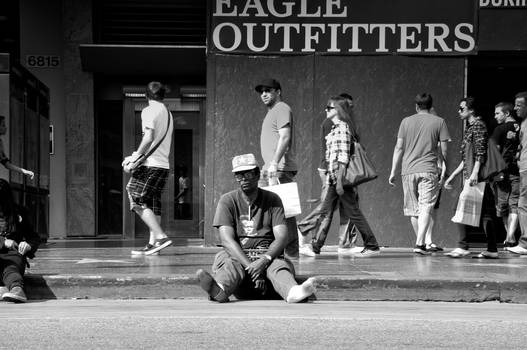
354, 27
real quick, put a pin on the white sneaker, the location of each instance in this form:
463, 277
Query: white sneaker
517, 250
367, 252
306, 250
350, 250
458, 253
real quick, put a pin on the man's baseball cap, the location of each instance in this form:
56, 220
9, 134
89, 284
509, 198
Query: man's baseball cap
244, 162
268, 83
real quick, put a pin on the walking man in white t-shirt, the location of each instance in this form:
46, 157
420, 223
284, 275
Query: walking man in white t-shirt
148, 180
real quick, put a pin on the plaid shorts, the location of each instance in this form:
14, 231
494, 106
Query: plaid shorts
145, 187
420, 193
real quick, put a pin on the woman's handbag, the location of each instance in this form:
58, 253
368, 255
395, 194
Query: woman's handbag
469, 204
129, 166
360, 169
494, 164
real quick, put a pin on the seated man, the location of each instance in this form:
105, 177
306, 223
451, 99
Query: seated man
253, 233
18, 242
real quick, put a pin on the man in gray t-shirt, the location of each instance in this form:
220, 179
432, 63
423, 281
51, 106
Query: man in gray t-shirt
417, 147
278, 148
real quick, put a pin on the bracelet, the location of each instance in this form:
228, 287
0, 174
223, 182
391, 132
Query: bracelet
268, 257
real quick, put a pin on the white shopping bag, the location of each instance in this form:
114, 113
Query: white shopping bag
469, 204
288, 193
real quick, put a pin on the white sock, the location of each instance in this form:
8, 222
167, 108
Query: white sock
300, 292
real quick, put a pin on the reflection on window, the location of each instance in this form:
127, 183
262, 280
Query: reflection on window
183, 208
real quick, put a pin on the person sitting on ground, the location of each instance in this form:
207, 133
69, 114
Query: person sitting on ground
253, 233
18, 242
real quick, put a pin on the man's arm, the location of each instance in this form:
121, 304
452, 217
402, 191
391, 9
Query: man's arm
443, 158
257, 268
146, 141
16, 168
284, 138
232, 246
396, 159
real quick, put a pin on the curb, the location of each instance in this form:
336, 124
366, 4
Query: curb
336, 288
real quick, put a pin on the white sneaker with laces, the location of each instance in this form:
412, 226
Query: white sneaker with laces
517, 250
458, 253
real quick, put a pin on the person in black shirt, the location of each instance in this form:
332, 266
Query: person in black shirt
507, 187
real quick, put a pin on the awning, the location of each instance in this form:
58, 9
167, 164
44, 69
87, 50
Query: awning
174, 61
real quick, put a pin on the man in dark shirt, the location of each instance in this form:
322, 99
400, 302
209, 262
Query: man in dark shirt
507, 188
253, 233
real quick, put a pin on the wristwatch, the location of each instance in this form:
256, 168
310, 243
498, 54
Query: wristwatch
268, 257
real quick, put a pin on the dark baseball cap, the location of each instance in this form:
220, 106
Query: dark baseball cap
268, 83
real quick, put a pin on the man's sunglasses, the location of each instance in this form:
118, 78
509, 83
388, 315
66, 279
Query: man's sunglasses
247, 175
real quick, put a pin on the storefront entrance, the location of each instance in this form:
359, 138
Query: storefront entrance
182, 200
493, 78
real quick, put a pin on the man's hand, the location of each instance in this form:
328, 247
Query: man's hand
391, 180
10, 244
473, 179
257, 268
28, 173
447, 184
271, 170
260, 285
339, 188
23, 248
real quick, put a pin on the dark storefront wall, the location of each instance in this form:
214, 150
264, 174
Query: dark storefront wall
383, 87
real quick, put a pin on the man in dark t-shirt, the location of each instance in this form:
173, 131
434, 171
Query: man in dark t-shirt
507, 191
253, 233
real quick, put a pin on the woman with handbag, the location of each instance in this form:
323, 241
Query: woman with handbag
339, 144
473, 156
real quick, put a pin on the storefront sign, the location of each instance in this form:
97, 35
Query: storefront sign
486, 4
350, 27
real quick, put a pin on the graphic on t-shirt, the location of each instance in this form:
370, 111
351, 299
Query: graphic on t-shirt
248, 228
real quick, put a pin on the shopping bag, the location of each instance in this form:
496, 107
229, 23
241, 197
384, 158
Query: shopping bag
469, 204
360, 169
288, 193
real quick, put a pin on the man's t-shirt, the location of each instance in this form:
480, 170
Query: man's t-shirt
421, 133
155, 117
278, 117
253, 226
522, 162
506, 135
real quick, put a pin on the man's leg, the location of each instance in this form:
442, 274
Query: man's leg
291, 249
13, 266
281, 274
152, 221
428, 190
521, 248
512, 223
228, 275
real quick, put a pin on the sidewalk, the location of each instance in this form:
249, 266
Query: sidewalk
106, 269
